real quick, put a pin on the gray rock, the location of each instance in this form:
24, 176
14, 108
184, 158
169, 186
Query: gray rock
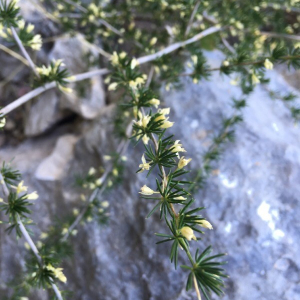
252, 201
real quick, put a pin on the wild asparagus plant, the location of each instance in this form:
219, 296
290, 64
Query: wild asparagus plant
44, 268
248, 32
171, 197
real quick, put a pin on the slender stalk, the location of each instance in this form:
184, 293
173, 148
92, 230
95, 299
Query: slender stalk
10, 107
25, 53
281, 35
283, 7
16, 103
178, 45
248, 63
196, 287
189, 26
28, 239
15, 55
23, 50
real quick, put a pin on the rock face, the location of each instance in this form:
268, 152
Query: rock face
252, 201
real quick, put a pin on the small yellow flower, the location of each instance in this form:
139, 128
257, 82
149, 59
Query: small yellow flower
226, 63
114, 59
75, 211
180, 198
255, 79
123, 55
154, 102
183, 162
115, 172
99, 181
105, 204
144, 165
20, 188
167, 124
1, 200
143, 122
57, 273
32, 196
43, 235
112, 86
194, 59
26, 245
177, 147
205, 224
92, 171
145, 139
188, 233
36, 42
133, 63
153, 41
147, 191
268, 64
64, 231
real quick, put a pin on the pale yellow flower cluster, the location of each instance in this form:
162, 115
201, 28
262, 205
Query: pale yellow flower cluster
20, 188
164, 112
45, 71
96, 182
35, 43
57, 273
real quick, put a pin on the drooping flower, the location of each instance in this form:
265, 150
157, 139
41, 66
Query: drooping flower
145, 139
167, 124
177, 147
183, 162
154, 102
147, 191
188, 233
32, 196
205, 224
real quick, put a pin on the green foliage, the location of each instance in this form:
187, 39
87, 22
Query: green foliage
54, 72
9, 13
207, 272
10, 175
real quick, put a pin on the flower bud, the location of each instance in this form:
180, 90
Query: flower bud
188, 233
